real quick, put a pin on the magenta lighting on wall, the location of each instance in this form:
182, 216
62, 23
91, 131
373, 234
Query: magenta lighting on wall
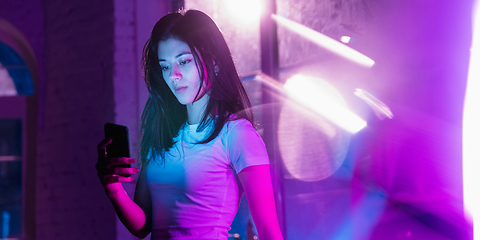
15, 77
471, 131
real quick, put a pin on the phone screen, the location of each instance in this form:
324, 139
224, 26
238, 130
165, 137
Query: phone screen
119, 147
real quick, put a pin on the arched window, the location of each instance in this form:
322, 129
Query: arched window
15, 78
17, 133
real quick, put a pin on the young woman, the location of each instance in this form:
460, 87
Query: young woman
199, 150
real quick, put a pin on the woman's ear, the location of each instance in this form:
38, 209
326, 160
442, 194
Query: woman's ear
216, 69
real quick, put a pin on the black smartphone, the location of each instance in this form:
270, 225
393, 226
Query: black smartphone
119, 147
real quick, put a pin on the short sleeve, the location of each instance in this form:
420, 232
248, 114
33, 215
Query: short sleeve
244, 146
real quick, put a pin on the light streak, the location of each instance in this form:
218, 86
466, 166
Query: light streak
381, 109
471, 130
325, 41
321, 99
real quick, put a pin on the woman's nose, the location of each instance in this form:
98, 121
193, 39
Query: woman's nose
176, 74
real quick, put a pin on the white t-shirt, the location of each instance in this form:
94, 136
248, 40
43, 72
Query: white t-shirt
196, 193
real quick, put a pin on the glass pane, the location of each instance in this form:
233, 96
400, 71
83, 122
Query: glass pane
10, 178
10, 137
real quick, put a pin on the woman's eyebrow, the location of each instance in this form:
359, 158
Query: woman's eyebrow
183, 53
179, 55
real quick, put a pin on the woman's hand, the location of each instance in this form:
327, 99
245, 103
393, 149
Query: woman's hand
109, 170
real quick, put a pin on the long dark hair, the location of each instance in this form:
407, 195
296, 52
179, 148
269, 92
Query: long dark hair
163, 115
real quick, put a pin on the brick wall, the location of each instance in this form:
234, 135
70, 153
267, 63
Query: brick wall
79, 46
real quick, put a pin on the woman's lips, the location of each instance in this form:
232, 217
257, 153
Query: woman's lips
180, 89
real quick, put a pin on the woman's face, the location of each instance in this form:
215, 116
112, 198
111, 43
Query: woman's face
179, 70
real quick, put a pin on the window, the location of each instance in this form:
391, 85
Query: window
10, 178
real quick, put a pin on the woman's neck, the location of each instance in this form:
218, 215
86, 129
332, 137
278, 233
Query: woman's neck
196, 110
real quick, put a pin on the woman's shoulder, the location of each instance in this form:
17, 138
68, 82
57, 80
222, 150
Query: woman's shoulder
237, 123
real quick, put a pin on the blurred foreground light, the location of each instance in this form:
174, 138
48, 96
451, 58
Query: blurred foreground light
471, 130
345, 39
244, 12
312, 147
325, 41
319, 98
311, 141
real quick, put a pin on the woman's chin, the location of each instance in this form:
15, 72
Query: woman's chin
184, 101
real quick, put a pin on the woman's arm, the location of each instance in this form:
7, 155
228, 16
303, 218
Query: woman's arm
135, 216
257, 185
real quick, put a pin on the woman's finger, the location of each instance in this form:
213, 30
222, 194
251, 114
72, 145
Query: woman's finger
119, 165
108, 179
124, 171
101, 148
120, 161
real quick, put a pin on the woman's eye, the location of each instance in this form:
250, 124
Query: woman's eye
164, 68
184, 62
